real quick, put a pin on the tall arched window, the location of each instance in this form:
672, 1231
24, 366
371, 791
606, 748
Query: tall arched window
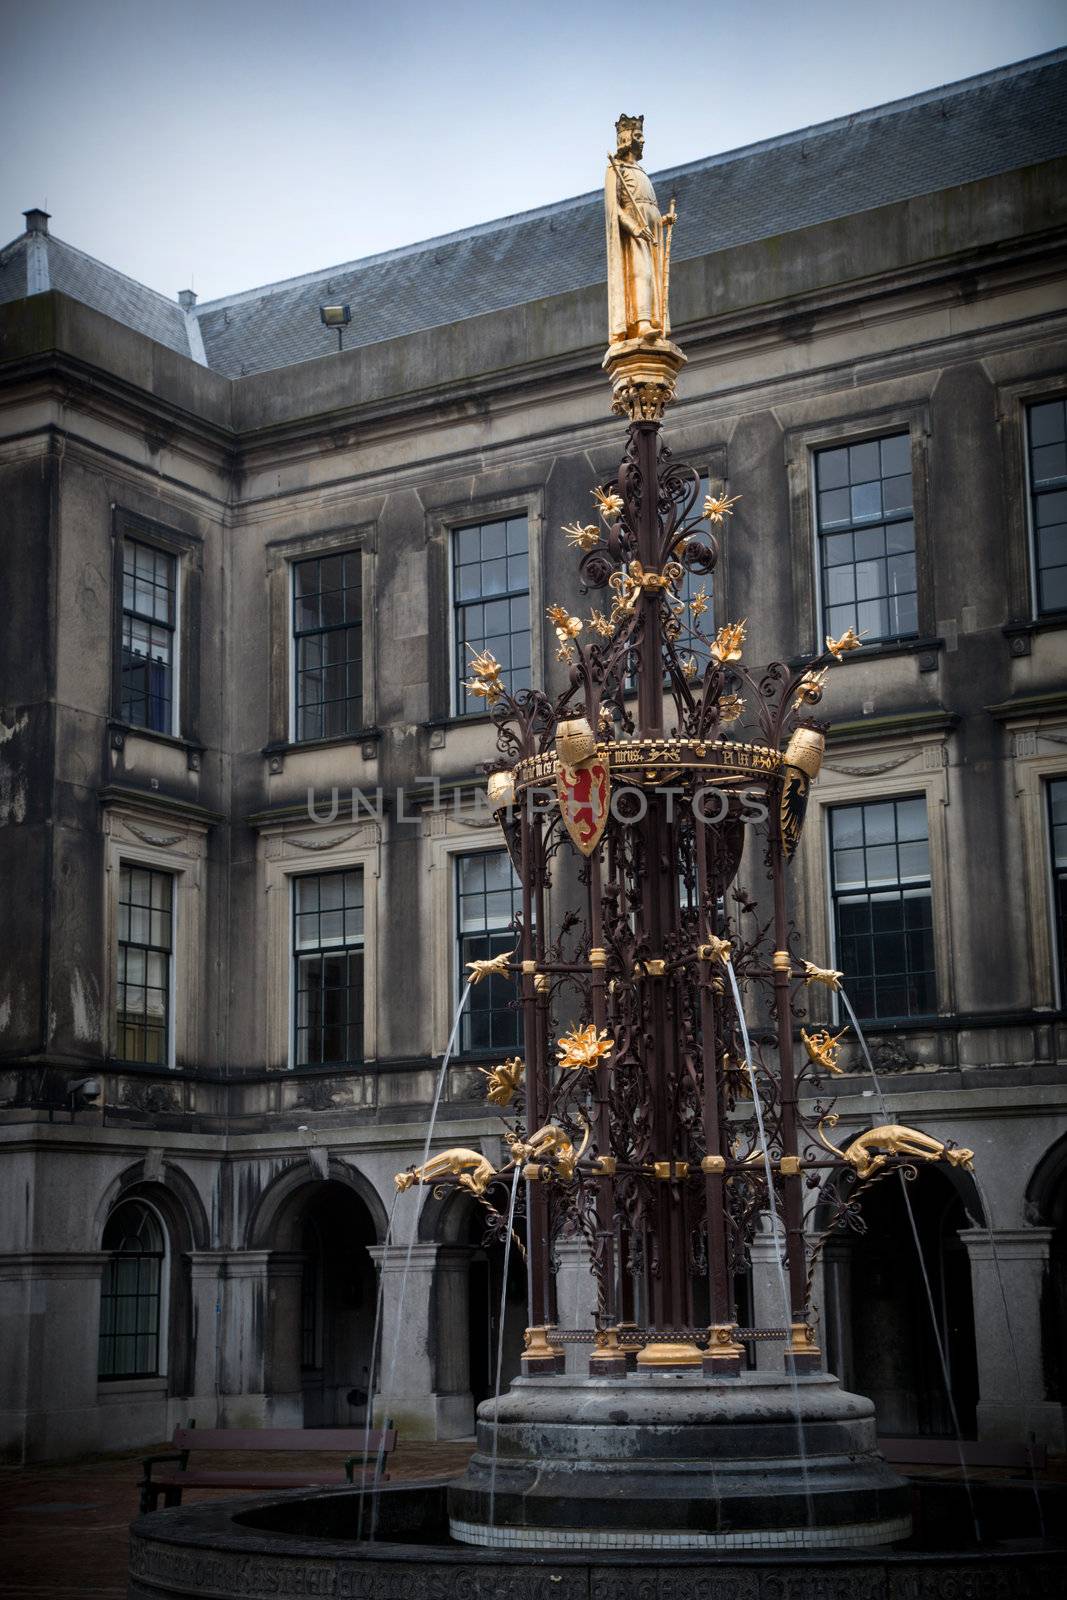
132, 1292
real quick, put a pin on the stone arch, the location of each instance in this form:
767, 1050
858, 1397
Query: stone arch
173, 1191
175, 1199
1046, 1190
272, 1217
1046, 1207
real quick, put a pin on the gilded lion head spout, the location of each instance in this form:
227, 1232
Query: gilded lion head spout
575, 742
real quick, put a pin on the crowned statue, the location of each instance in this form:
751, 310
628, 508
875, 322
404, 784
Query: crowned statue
641, 360
638, 242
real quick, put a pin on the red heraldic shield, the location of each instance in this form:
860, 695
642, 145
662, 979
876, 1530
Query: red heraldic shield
584, 794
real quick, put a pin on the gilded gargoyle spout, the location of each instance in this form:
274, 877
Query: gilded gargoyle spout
552, 1147
449, 1164
870, 1152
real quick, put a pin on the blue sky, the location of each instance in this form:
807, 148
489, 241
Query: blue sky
221, 144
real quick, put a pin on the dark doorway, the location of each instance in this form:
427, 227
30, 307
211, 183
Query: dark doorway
884, 1344
337, 1297
486, 1279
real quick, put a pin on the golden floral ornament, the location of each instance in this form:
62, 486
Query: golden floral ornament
600, 624
584, 1047
731, 706
566, 626
690, 668
485, 684
608, 503
494, 967
504, 1081
698, 604
717, 506
605, 720
726, 646
810, 688
582, 538
824, 975
849, 640
628, 586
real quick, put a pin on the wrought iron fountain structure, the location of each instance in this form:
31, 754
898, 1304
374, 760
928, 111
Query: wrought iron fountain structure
653, 1127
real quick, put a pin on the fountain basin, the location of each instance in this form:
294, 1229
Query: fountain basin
303, 1543
674, 1460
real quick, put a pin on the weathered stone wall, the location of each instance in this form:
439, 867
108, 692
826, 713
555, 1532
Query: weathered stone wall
941, 317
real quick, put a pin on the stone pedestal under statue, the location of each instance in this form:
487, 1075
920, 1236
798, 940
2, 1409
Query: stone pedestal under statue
675, 1461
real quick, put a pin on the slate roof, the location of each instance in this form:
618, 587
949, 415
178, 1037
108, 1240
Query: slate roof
996, 122
84, 278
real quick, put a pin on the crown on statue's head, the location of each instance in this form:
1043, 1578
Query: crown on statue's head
628, 125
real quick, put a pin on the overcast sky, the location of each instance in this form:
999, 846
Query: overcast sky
222, 144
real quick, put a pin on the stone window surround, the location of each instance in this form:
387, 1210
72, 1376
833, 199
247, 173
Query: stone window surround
280, 556
1012, 400
149, 838
441, 523
800, 443
288, 851
1039, 752
446, 836
864, 773
187, 551
157, 1380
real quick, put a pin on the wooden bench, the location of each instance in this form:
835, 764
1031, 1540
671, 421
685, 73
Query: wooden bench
367, 1453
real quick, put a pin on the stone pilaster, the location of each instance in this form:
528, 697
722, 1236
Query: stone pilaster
1007, 1324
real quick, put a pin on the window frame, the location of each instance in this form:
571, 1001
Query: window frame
186, 550
889, 767
1027, 404
463, 1048
355, 548
873, 1021
294, 880
1057, 934
457, 710
801, 442
441, 519
888, 640
173, 627
126, 864
162, 1295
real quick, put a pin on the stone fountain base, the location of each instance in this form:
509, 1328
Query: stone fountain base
676, 1461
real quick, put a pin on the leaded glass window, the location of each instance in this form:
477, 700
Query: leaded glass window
149, 608
692, 584
883, 912
146, 942
1057, 807
1047, 432
328, 968
866, 532
328, 646
130, 1293
488, 898
491, 602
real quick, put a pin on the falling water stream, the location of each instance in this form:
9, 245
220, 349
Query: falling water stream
369, 1406
942, 1357
775, 1230
387, 1387
500, 1339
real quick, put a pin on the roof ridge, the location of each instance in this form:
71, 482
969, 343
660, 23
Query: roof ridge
114, 272
720, 158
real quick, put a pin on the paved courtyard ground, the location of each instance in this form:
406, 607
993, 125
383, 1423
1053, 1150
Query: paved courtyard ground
63, 1527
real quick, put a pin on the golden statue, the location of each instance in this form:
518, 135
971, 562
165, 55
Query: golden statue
638, 242
452, 1163
504, 1081
822, 1048
870, 1152
551, 1146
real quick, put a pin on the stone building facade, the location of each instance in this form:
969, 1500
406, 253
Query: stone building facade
240, 566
